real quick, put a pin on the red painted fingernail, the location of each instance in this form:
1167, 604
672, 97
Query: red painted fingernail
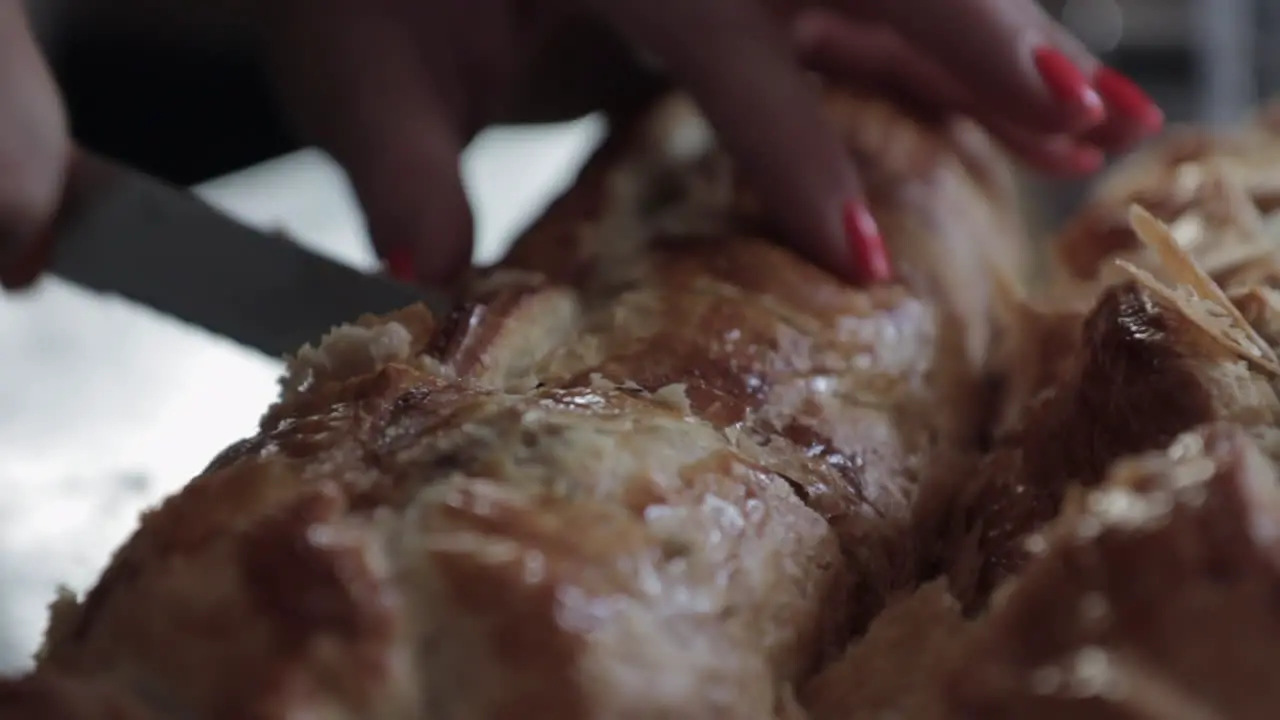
1069, 86
1085, 160
1127, 100
400, 265
1088, 160
871, 259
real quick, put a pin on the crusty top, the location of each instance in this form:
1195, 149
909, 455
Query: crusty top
654, 465
1217, 189
1116, 554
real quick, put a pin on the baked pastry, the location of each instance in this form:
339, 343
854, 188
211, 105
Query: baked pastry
1182, 332
1215, 188
1151, 596
654, 465
1116, 554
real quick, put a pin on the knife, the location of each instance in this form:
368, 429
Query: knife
123, 232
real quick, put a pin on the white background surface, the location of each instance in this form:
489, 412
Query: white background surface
106, 408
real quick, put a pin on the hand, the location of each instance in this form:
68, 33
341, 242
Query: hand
34, 148
394, 89
1010, 66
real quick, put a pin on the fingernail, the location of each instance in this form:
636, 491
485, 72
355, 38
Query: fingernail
1069, 86
1076, 156
1127, 100
1087, 160
1084, 160
870, 258
400, 265
1071, 157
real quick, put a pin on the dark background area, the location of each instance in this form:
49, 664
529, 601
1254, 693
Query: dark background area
186, 116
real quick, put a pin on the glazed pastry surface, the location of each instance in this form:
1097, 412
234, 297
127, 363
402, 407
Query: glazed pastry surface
653, 465
656, 466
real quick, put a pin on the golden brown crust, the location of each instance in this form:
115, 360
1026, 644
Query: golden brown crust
1151, 596
656, 466
898, 668
1142, 368
1195, 179
51, 696
1134, 383
1154, 596
652, 466
1146, 591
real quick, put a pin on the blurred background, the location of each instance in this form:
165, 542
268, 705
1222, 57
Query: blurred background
106, 408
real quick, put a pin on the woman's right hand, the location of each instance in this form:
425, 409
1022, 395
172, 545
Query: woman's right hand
394, 89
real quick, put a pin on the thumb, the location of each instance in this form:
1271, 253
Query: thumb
34, 147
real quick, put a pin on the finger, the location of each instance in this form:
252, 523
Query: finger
353, 82
874, 57
1131, 114
870, 56
1063, 65
1010, 53
1058, 155
34, 147
737, 64
580, 67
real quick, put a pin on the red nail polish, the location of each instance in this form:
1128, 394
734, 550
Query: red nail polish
1069, 86
400, 265
1127, 100
871, 259
1085, 160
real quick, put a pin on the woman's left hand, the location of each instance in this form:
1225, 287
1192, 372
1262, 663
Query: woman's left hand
1006, 63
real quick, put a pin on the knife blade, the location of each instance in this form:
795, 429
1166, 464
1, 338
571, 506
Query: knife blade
123, 232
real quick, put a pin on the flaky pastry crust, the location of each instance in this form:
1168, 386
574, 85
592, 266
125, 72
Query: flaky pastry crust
656, 466
653, 465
